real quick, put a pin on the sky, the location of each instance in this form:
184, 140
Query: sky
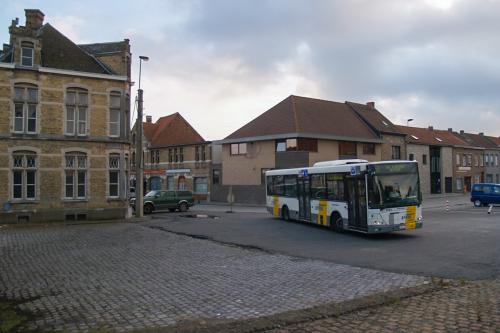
221, 63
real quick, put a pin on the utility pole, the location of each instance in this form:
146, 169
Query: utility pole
139, 170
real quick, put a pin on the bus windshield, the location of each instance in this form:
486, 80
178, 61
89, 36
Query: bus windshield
393, 185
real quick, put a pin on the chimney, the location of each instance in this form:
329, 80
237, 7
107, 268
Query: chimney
371, 104
431, 128
450, 129
34, 18
462, 132
481, 133
149, 119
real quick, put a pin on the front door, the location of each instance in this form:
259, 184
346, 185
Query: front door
356, 199
304, 195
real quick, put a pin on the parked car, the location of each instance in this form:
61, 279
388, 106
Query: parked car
171, 200
484, 194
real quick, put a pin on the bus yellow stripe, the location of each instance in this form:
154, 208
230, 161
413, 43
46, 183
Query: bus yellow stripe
322, 212
411, 217
276, 205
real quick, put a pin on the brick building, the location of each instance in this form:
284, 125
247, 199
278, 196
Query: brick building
64, 125
176, 157
297, 132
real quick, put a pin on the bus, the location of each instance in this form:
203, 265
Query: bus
357, 195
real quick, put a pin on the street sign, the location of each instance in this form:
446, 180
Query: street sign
304, 173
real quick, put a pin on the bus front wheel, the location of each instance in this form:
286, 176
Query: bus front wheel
285, 213
336, 222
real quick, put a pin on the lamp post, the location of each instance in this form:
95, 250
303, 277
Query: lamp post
408, 121
139, 171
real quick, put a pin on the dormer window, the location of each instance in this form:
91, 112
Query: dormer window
27, 54
415, 137
439, 139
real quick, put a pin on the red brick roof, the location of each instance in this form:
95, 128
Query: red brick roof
303, 115
432, 137
170, 131
495, 140
477, 140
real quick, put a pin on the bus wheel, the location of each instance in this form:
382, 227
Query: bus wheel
336, 222
285, 214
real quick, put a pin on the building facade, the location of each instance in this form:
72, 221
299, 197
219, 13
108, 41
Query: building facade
298, 132
176, 157
64, 116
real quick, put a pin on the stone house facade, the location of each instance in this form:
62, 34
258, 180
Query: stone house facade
176, 157
64, 129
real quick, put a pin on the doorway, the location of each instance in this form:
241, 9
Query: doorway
304, 195
356, 199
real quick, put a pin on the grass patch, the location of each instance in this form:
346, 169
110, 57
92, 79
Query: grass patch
11, 317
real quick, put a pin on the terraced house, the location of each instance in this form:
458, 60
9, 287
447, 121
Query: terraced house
64, 125
176, 157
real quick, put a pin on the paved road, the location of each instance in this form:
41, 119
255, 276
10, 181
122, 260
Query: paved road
473, 307
461, 243
131, 276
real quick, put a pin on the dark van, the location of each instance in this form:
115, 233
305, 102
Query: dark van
484, 194
171, 200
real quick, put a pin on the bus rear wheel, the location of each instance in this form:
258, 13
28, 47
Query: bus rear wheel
336, 222
285, 213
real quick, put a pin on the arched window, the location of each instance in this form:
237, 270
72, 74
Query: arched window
24, 167
25, 106
76, 111
27, 54
75, 175
115, 109
181, 184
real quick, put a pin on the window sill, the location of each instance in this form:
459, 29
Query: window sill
24, 201
74, 200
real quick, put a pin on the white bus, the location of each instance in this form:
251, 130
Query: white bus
368, 197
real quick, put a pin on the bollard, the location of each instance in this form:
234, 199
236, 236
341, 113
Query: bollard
447, 206
490, 209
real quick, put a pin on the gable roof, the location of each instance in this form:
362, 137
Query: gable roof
307, 117
60, 52
374, 118
477, 140
104, 48
495, 140
171, 130
431, 137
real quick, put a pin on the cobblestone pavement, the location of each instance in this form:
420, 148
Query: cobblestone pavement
473, 307
129, 276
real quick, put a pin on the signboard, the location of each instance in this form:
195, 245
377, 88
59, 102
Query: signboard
355, 170
176, 171
304, 173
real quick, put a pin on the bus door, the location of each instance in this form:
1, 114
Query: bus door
304, 195
356, 199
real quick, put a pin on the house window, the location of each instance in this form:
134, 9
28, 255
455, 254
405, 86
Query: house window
133, 159
396, 152
181, 183
25, 105
238, 149
424, 159
200, 185
115, 101
181, 154
347, 149
476, 161
200, 153
496, 160
411, 157
215, 176
170, 155
469, 160
176, 156
24, 166
368, 148
114, 175
27, 54
457, 159
76, 111
300, 144
155, 156
75, 175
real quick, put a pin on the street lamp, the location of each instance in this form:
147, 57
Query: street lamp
407, 120
139, 171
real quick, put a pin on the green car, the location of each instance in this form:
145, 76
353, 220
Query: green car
162, 200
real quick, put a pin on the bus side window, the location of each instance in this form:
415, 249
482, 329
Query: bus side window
335, 186
318, 188
290, 186
270, 189
279, 185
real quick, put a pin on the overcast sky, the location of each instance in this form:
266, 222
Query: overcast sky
222, 63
